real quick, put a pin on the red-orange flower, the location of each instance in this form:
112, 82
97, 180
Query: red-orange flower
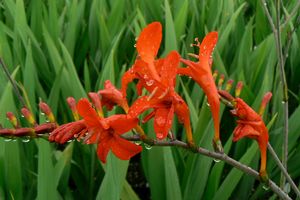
111, 96
251, 125
164, 100
145, 66
201, 72
108, 138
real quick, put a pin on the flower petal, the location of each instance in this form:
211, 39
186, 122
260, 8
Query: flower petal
207, 47
149, 41
139, 106
111, 95
169, 68
121, 123
243, 130
103, 148
163, 121
86, 111
124, 149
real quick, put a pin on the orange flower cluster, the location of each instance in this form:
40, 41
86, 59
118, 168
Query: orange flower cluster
158, 77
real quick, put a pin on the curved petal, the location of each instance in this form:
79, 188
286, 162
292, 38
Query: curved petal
207, 47
103, 148
149, 41
121, 123
127, 78
124, 149
169, 68
244, 131
111, 95
89, 115
163, 121
139, 106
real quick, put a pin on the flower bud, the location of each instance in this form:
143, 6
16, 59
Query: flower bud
221, 81
229, 85
215, 74
28, 116
238, 88
13, 120
96, 102
47, 110
267, 97
72, 104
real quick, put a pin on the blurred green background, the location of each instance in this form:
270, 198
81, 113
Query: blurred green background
56, 49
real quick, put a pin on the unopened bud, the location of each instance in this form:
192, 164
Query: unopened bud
238, 88
229, 85
28, 116
72, 104
267, 97
47, 110
215, 74
221, 81
13, 120
96, 102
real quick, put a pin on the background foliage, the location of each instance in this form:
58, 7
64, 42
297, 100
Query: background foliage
56, 49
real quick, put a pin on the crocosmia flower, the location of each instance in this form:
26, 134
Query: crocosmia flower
108, 138
251, 125
201, 72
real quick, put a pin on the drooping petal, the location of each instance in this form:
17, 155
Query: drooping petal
111, 95
103, 148
124, 149
163, 121
207, 47
149, 41
121, 123
243, 130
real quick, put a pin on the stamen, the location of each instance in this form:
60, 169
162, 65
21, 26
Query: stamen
152, 94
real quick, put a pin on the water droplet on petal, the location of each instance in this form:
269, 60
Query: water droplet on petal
137, 142
150, 82
159, 135
160, 121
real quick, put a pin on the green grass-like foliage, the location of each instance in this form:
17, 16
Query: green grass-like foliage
56, 49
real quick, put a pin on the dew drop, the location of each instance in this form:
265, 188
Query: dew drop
148, 147
217, 160
137, 142
134, 45
159, 135
150, 82
7, 139
287, 188
14, 140
265, 187
160, 121
42, 113
47, 120
283, 102
26, 139
207, 104
70, 141
22, 116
